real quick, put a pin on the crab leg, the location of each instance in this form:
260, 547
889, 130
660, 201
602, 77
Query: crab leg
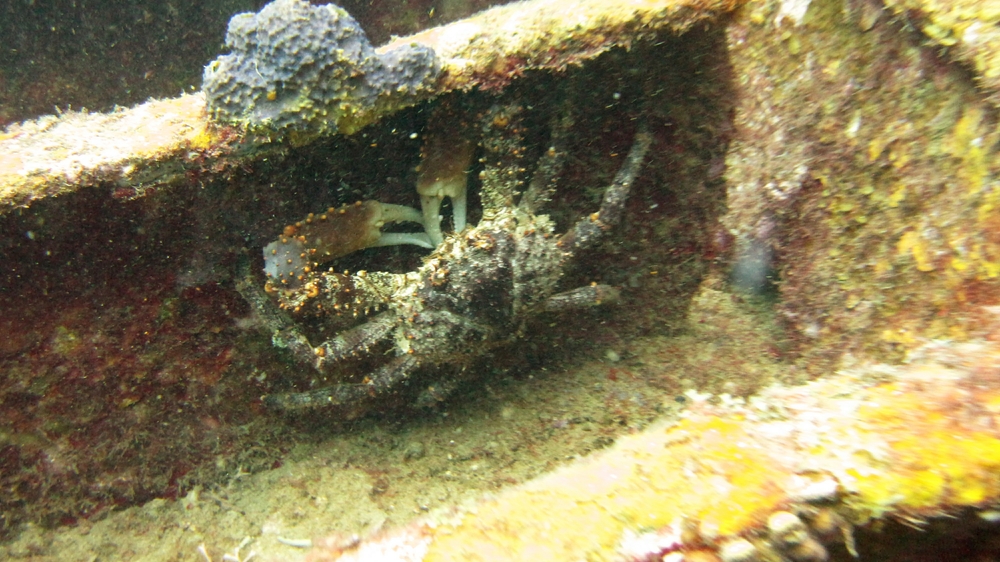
589, 230
350, 342
542, 184
582, 297
444, 170
283, 330
382, 380
353, 341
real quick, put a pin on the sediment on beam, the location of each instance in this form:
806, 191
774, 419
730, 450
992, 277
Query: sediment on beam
160, 142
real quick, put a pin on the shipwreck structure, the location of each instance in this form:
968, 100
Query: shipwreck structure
838, 155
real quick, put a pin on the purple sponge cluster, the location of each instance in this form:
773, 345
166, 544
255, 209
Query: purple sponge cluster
298, 68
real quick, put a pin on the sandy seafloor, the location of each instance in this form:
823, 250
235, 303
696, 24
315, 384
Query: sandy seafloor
379, 472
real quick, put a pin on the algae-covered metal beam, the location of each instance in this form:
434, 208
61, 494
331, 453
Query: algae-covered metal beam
159, 142
966, 30
151, 144
791, 474
495, 46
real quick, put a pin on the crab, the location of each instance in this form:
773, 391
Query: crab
474, 292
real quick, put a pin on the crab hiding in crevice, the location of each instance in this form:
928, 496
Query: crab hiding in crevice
474, 292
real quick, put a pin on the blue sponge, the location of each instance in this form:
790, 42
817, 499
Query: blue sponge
309, 70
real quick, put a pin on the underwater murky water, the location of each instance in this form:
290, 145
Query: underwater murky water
769, 197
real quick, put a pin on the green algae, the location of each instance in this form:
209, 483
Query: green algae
878, 168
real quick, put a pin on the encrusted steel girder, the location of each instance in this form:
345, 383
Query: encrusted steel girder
791, 474
162, 142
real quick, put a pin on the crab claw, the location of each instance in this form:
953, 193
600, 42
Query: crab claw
443, 173
339, 231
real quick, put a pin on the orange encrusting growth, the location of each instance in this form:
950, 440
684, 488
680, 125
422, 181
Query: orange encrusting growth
933, 461
707, 469
924, 444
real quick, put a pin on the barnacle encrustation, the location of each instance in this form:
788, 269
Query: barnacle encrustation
475, 290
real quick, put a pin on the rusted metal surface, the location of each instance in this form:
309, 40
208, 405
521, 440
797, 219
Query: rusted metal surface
158, 143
